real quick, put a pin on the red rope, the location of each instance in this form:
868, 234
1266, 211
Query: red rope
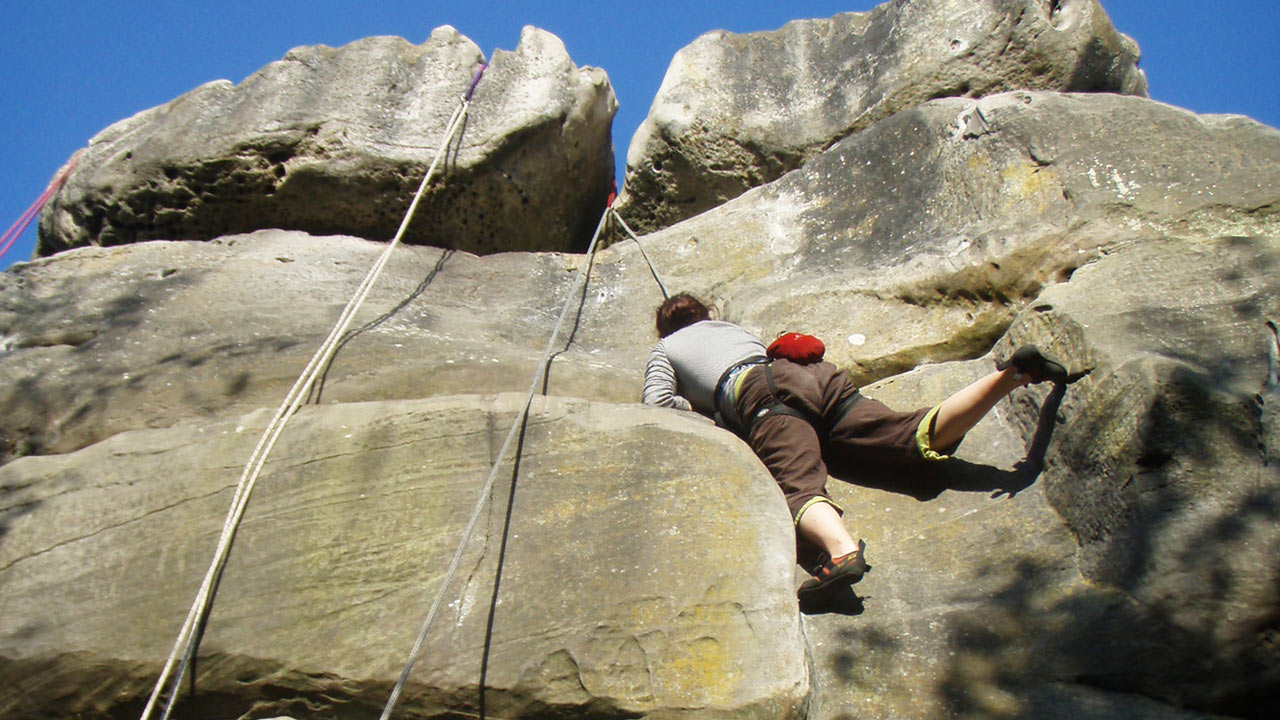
15, 230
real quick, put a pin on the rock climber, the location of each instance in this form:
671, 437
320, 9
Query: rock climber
798, 416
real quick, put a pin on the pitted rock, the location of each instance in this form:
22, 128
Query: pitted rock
737, 111
337, 140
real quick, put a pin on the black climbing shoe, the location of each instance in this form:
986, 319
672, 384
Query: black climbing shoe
831, 575
1037, 366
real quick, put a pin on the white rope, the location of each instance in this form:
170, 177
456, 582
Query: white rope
493, 473
185, 644
626, 227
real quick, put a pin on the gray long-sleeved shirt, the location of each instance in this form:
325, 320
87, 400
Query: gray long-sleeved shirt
685, 366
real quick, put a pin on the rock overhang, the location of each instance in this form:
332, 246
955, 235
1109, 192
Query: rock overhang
336, 140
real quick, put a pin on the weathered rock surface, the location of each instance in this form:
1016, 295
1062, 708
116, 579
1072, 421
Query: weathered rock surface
336, 141
1161, 582
918, 239
1168, 478
912, 242
739, 110
585, 591
979, 603
1108, 552
100, 340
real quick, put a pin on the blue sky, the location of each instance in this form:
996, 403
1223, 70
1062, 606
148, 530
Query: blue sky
69, 69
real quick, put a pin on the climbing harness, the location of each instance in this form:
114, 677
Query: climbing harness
186, 643
777, 406
20, 226
726, 416
780, 407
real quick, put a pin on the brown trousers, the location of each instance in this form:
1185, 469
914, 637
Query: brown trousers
797, 452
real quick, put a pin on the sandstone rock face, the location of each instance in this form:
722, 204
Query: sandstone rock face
100, 340
1107, 550
737, 111
584, 591
1082, 223
936, 236
336, 141
919, 239
1168, 477
1140, 563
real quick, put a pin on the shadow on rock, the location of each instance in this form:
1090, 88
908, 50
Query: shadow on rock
13, 506
962, 475
842, 602
1167, 485
56, 320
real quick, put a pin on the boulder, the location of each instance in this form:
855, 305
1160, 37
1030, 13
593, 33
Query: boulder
915, 241
1167, 475
585, 589
1106, 550
100, 340
337, 140
920, 238
1119, 561
737, 111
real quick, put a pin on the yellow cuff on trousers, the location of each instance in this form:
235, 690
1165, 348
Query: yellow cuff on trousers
922, 437
813, 501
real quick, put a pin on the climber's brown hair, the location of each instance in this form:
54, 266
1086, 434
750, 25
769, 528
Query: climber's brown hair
680, 311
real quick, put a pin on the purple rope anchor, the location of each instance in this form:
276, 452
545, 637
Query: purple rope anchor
475, 80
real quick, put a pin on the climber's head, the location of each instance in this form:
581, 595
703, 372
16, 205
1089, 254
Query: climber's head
680, 311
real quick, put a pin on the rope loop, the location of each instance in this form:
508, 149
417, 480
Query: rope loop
186, 643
